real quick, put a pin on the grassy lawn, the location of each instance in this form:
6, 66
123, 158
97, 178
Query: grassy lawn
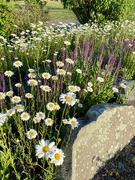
57, 13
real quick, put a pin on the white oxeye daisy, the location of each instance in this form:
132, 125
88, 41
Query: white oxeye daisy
48, 121
115, 90
31, 70
32, 82
90, 84
18, 85
3, 117
32, 75
65, 121
61, 72
67, 43
68, 98
70, 61
2, 95
73, 122
46, 75
89, 89
59, 64
48, 60
50, 106
8, 73
31, 134
17, 64
57, 157
40, 115
9, 93
28, 95
100, 79
79, 71
57, 107
123, 85
36, 119
44, 149
15, 99
69, 73
20, 108
25, 116
10, 112
45, 88
55, 78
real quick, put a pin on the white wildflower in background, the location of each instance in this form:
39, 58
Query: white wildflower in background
3, 117
44, 149
25, 116
73, 122
28, 95
11, 112
115, 90
68, 98
89, 89
9, 93
48, 121
20, 108
45, 88
74, 88
59, 63
61, 72
18, 85
54, 78
100, 79
67, 43
90, 84
9, 73
2, 95
36, 119
31, 70
57, 157
65, 121
46, 75
32, 82
40, 115
69, 73
32, 75
79, 71
15, 99
57, 107
17, 64
31, 134
50, 106
123, 85
70, 61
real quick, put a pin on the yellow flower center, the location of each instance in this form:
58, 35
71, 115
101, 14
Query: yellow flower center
73, 122
31, 133
68, 98
32, 82
57, 156
51, 105
25, 115
72, 88
1, 96
15, 99
46, 148
49, 121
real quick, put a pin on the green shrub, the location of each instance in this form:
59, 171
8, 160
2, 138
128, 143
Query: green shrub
99, 10
6, 18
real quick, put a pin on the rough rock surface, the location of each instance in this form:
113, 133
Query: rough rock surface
106, 130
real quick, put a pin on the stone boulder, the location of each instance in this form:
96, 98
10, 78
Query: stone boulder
105, 130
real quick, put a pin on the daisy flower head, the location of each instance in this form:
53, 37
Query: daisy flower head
73, 122
32, 75
123, 85
74, 88
69, 73
25, 116
45, 148
50, 106
15, 99
31, 70
40, 115
89, 89
65, 121
3, 117
31, 134
8, 73
20, 108
2, 95
54, 78
61, 72
100, 79
68, 98
67, 43
11, 112
18, 85
59, 63
79, 71
9, 93
57, 157
36, 119
70, 61
28, 95
48, 121
46, 75
115, 90
90, 84
57, 107
45, 88
17, 64
32, 82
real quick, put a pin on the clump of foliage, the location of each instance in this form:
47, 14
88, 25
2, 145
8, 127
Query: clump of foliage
99, 10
